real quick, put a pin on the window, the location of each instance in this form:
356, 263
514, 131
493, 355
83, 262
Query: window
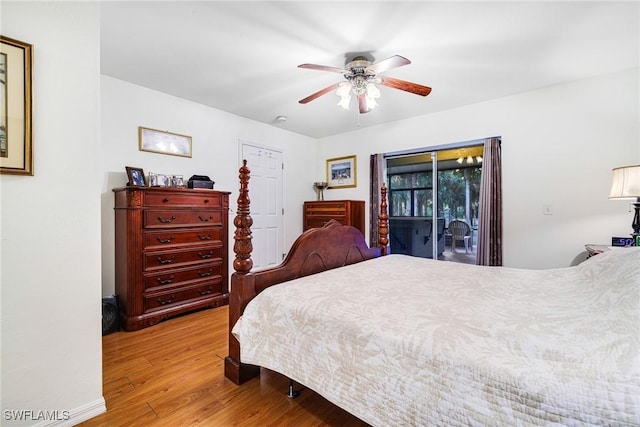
411, 188
410, 194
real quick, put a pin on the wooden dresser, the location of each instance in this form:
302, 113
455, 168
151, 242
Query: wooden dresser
171, 252
346, 212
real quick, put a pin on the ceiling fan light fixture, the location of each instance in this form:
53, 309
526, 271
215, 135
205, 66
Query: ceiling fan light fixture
360, 75
371, 103
373, 93
344, 92
344, 102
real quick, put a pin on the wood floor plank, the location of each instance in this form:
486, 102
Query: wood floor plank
124, 367
165, 405
137, 413
114, 389
172, 374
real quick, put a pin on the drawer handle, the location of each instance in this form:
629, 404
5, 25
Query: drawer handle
166, 301
206, 200
166, 220
165, 200
207, 237
205, 255
205, 291
204, 219
165, 261
206, 273
166, 281
165, 240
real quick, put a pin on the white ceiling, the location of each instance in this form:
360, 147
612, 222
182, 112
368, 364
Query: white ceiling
242, 57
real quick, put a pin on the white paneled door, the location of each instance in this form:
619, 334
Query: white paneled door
265, 192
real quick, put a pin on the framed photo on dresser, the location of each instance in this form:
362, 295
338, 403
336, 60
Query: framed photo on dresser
136, 177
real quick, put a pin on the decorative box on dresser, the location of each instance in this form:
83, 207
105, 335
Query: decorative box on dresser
346, 212
171, 255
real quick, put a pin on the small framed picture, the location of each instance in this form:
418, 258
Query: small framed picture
153, 179
341, 172
136, 177
177, 181
163, 180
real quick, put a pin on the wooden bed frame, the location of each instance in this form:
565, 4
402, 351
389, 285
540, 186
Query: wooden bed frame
316, 250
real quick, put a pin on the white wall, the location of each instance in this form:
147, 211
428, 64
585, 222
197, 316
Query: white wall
559, 145
50, 223
215, 136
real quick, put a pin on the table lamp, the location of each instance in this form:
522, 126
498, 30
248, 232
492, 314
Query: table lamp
626, 185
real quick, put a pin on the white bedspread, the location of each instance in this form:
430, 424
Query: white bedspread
400, 341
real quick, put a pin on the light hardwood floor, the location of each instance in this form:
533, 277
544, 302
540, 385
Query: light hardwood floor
172, 374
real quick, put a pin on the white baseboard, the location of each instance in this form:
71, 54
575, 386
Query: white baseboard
77, 415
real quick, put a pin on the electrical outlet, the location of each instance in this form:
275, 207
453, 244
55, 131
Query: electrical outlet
547, 210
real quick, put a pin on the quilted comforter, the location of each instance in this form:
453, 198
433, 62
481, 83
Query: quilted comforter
400, 341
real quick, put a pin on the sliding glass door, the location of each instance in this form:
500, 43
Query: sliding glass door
433, 201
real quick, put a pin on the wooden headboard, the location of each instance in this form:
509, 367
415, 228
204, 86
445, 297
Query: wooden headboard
316, 250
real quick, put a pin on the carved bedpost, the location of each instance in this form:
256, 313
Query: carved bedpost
383, 226
243, 222
242, 283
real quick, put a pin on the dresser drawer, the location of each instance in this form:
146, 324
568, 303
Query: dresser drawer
163, 300
173, 259
182, 277
155, 240
330, 213
319, 222
192, 198
178, 218
326, 206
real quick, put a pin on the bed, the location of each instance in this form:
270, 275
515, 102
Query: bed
401, 340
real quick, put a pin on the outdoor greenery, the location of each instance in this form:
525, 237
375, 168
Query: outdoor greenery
410, 194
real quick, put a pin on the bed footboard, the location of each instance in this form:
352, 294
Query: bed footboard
316, 250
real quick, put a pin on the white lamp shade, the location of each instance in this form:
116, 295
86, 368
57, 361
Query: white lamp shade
625, 183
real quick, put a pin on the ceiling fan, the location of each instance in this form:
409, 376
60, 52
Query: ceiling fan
361, 76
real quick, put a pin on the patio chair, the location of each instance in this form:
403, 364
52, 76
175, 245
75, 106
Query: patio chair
460, 231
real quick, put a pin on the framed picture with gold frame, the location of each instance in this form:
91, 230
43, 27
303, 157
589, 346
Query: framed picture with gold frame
341, 172
163, 142
16, 145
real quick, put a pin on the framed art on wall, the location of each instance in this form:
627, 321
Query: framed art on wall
341, 172
157, 141
16, 145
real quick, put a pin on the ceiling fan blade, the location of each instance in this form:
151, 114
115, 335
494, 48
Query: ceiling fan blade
319, 93
362, 103
388, 64
323, 68
406, 86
